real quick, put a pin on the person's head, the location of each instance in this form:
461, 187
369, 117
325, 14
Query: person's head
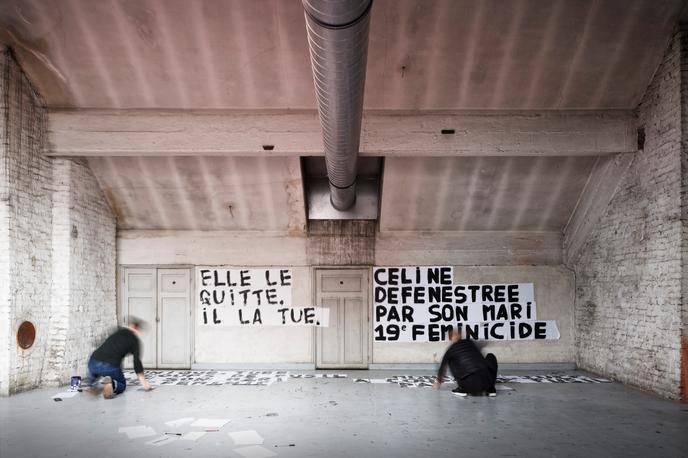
455, 334
137, 324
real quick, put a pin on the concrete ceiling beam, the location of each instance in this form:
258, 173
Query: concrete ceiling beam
297, 133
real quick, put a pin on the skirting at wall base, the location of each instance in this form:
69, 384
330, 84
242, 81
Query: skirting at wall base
502, 367
395, 367
255, 366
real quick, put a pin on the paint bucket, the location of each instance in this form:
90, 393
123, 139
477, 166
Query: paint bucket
75, 383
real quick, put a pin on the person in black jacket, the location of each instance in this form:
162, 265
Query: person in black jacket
473, 373
106, 361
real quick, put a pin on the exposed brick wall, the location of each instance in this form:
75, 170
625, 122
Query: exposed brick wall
628, 277
26, 200
83, 305
60, 287
5, 311
684, 210
93, 308
57, 247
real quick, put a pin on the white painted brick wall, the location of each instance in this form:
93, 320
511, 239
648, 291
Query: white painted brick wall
684, 209
57, 242
628, 279
26, 265
60, 290
5, 312
92, 284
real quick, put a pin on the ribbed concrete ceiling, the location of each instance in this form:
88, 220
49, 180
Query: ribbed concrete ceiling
486, 193
424, 54
203, 193
426, 194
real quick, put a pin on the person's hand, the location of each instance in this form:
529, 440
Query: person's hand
437, 385
146, 385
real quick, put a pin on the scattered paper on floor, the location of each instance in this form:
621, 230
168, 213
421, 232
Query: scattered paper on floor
255, 451
210, 423
246, 438
179, 422
134, 432
193, 435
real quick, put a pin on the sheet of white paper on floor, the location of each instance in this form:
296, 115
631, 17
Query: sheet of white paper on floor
162, 440
180, 422
193, 435
66, 394
378, 380
210, 423
254, 451
134, 432
246, 438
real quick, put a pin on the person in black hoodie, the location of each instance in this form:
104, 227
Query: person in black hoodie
473, 373
106, 360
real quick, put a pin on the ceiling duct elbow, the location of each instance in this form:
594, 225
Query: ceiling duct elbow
338, 43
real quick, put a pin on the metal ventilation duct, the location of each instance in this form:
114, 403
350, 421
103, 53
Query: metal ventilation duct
338, 42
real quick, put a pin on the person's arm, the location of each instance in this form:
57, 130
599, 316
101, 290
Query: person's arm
138, 366
440, 372
144, 382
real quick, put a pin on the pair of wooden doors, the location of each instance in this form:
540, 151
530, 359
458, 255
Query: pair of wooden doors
162, 299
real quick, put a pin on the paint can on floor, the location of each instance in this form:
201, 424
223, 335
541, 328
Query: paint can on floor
75, 383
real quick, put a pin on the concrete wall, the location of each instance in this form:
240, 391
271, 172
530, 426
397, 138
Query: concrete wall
628, 275
218, 345
57, 247
239, 346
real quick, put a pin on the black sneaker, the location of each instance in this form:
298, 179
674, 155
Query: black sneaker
458, 391
492, 393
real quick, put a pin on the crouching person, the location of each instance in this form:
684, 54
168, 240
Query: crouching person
106, 361
473, 373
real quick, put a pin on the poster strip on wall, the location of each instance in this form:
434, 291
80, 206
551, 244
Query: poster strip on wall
422, 304
253, 297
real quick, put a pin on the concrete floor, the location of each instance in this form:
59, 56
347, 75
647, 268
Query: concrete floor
336, 417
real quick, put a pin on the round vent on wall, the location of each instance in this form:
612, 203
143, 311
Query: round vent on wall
26, 335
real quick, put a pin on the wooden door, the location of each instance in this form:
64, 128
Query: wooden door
344, 343
174, 319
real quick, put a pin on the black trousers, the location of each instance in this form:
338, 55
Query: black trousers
483, 380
